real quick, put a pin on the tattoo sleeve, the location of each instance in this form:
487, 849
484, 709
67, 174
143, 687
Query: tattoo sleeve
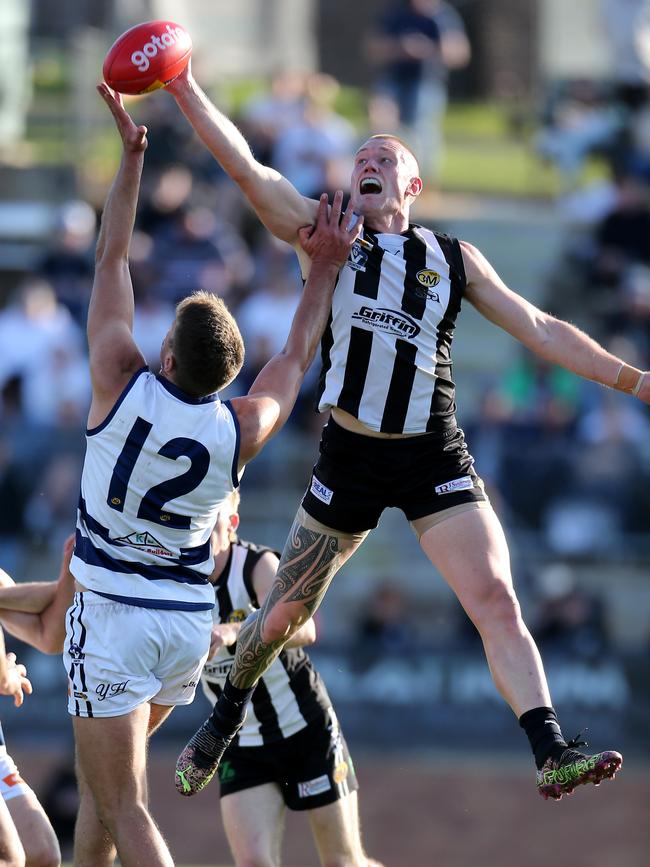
309, 562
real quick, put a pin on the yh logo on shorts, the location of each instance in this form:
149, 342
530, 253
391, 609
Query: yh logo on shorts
462, 484
319, 490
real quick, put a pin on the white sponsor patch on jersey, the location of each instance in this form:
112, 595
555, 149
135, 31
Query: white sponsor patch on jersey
146, 542
319, 490
314, 787
461, 484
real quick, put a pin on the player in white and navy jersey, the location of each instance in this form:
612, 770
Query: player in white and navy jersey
392, 438
33, 612
290, 752
163, 453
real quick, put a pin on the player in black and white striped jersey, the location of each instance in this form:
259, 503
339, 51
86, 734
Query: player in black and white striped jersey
392, 438
290, 751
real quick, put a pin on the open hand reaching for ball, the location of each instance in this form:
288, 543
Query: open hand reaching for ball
134, 138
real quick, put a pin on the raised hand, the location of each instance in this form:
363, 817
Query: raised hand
134, 138
331, 238
15, 682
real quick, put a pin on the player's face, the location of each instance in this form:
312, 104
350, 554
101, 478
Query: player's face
384, 178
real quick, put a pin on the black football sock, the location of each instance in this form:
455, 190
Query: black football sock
229, 711
544, 733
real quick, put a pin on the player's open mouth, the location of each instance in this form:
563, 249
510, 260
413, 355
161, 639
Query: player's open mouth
370, 186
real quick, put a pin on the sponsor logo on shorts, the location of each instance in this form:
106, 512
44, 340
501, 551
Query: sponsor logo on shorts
110, 690
190, 684
391, 321
340, 772
319, 490
147, 543
13, 779
81, 695
462, 484
314, 787
76, 653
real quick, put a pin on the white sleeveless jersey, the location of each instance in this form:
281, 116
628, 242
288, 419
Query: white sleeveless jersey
386, 352
155, 474
291, 693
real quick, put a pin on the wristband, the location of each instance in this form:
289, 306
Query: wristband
628, 379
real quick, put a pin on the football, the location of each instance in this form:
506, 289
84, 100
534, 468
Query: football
146, 57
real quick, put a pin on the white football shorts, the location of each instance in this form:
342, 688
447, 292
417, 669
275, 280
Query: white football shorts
11, 783
119, 656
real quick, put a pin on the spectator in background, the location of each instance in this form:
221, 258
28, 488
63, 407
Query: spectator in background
415, 45
386, 625
313, 152
265, 117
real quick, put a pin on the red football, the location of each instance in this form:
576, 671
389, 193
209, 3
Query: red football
147, 56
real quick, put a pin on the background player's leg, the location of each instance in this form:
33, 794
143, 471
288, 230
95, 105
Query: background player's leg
35, 831
93, 845
12, 853
253, 820
119, 787
337, 833
470, 551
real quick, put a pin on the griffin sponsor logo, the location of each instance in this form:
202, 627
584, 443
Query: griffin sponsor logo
462, 484
217, 669
390, 321
314, 787
145, 542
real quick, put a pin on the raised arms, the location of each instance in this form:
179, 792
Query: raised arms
278, 204
114, 355
272, 396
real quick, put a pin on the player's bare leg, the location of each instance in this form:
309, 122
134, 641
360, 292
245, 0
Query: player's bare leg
470, 551
337, 834
253, 820
119, 788
312, 556
35, 831
93, 845
12, 853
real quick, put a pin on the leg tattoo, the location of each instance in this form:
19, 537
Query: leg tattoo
309, 562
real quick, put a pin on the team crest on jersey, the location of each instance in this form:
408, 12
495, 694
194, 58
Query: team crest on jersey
145, 542
237, 616
340, 772
427, 279
358, 258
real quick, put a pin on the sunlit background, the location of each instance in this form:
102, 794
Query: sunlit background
545, 166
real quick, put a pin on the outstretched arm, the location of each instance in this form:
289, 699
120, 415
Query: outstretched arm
34, 612
552, 339
273, 393
278, 204
114, 356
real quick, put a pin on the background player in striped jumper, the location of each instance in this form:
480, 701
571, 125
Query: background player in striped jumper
163, 452
34, 612
387, 380
290, 752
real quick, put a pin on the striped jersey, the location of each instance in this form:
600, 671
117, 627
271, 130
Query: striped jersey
291, 693
155, 474
386, 352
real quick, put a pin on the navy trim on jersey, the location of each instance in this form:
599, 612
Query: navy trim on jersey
2, 736
165, 604
91, 431
183, 395
92, 556
188, 557
235, 457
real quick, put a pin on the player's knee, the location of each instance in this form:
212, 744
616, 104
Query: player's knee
496, 604
43, 854
281, 622
12, 856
